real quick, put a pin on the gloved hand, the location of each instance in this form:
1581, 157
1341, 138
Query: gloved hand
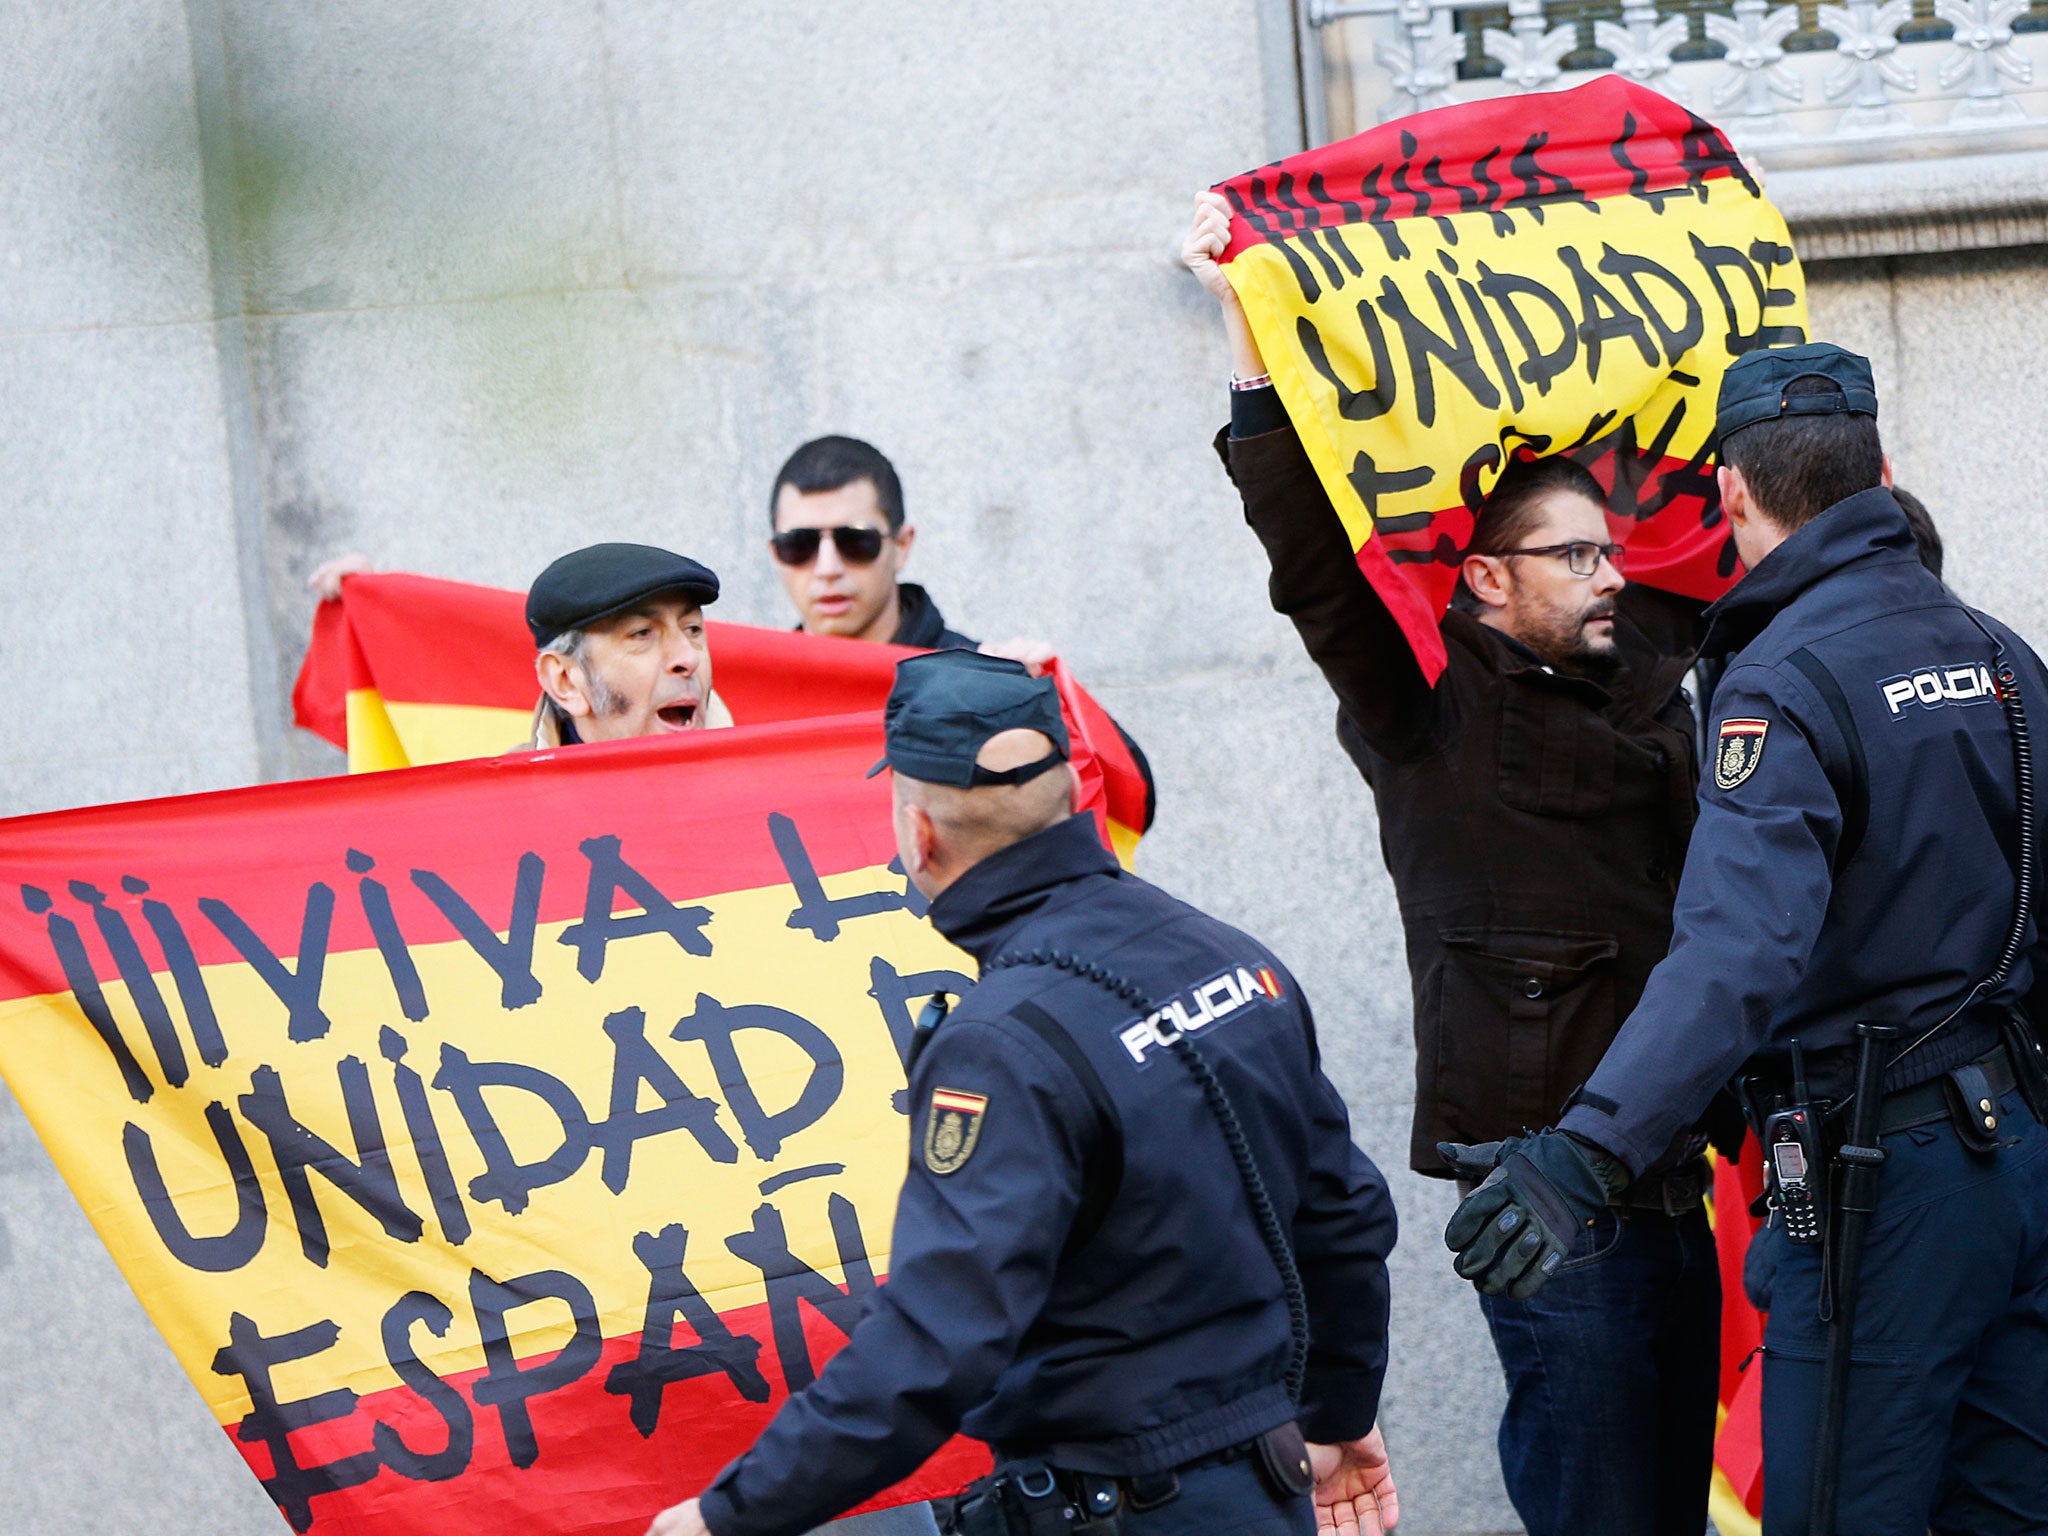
1512, 1232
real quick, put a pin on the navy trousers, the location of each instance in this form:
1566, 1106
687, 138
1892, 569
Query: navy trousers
1947, 1422
1613, 1379
1233, 1499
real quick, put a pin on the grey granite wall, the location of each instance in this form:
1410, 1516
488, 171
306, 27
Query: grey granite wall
463, 286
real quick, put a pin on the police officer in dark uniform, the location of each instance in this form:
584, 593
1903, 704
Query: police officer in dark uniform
1136, 1246
1856, 896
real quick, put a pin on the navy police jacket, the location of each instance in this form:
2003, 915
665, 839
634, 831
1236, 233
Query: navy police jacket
1157, 1337
1857, 846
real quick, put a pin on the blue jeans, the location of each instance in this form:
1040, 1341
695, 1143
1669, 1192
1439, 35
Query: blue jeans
1613, 1375
1947, 1421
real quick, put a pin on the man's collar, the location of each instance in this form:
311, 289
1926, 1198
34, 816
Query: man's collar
976, 909
1866, 526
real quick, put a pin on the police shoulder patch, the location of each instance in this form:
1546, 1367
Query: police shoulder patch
1741, 749
952, 1129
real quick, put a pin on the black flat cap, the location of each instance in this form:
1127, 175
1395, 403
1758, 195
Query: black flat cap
946, 705
591, 584
1753, 388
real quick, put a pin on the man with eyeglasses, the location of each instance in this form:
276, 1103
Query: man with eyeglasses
1534, 807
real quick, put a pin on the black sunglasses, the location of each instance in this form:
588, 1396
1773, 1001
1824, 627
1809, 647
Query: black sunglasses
856, 545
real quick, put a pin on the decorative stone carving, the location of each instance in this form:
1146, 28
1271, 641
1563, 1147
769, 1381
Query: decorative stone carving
1641, 44
1528, 51
1423, 60
1985, 55
1868, 70
1754, 37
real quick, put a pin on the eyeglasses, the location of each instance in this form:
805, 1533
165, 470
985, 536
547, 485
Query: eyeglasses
856, 545
1581, 557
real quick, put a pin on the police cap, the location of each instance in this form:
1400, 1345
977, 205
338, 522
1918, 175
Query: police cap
947, 704
586, 585
1753, 388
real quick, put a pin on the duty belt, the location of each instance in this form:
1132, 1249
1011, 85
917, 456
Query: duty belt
1968, 1096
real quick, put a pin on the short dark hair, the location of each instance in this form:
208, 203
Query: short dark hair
828, 463
1515, 506
1921, 521
1799, 466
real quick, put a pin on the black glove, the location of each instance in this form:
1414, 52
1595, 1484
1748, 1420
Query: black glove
1512, 1232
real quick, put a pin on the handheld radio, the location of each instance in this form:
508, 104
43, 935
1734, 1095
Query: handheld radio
1792, 1151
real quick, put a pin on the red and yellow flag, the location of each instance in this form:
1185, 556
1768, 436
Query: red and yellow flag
495, 1143
1563, 273
410, 670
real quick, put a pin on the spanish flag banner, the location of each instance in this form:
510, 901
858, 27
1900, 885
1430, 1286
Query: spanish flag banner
495, 1143
411, 670
1559, 273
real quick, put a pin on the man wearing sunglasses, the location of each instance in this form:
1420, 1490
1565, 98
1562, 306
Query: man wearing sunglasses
840, 542
1534, 807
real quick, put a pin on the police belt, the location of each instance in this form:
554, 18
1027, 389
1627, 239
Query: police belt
1024, 1496
1968, 1096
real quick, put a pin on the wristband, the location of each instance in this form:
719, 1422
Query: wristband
1238, 386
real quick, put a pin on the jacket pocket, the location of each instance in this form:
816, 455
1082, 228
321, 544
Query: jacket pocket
1513, 1005
1557, 754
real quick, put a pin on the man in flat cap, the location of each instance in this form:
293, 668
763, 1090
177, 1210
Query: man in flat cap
1855, 946
623, 652
1136, 1246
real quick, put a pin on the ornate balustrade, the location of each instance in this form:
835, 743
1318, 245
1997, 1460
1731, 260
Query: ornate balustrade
1960, 80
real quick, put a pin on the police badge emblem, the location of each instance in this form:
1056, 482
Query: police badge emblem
1741, 749
952, 1129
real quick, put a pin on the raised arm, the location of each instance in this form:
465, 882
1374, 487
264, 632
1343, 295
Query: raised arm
1315, 581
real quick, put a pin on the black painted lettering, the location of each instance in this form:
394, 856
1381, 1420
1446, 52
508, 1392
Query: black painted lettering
1540, 365
69, 946
425, 1132
635, 1062
792, 1283
610, 878
508, 1386
1426, 348
370, 1182
1603, 317
452, 1460
817, 912
892, 991
672, 1297
298, 990
143, 994
719, 1028
505, 1179
270, 1423
229, 1250
376, 899
185, 973
1372, 400
1678, 338
512, 956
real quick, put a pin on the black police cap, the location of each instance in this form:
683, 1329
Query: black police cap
586, 585
947, 704
1753, 388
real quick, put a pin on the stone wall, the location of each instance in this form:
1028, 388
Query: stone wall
464, 286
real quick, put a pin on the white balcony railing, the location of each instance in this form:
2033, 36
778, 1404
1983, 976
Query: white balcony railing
1903, 79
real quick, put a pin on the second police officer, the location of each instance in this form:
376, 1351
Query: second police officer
1856, 902
1135, 1245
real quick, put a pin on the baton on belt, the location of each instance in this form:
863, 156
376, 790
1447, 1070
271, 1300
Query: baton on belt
1859, 1159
